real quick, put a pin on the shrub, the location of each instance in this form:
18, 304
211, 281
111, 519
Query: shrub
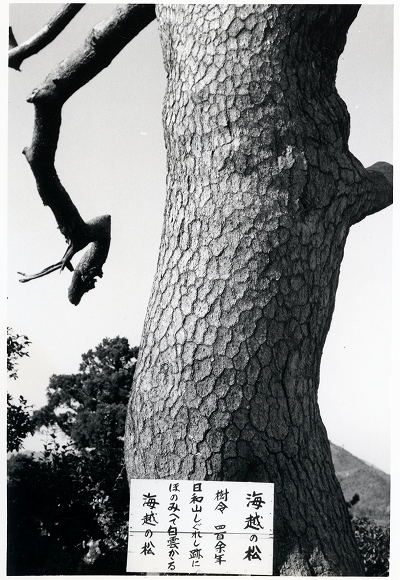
373, 542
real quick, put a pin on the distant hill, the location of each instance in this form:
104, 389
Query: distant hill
371, 484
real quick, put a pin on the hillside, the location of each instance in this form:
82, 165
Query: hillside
372, 485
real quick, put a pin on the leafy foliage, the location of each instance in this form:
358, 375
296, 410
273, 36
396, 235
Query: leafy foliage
68, 509
373, 541
90, 406
374, 544
57, 504
16, 348
19, 423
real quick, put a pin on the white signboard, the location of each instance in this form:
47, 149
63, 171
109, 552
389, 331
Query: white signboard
200, 527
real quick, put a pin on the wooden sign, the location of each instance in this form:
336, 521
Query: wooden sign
200, 527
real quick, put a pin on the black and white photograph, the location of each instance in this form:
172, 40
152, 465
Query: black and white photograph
200, 273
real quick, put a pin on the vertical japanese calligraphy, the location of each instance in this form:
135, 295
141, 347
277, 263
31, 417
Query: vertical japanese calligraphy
221, 499
195, 553
253, 522
150, 522
201, 527
173, 538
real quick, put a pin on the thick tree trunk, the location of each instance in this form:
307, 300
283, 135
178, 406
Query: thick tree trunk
261, 193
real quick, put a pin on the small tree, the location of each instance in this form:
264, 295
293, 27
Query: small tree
90, 406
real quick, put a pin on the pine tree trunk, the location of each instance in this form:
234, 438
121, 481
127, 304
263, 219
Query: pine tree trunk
261, 193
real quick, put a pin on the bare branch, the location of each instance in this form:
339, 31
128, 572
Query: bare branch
18, 53
105, 41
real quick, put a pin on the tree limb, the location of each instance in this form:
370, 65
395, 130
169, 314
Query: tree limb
18, 53
84, 277
376, 191
105, 41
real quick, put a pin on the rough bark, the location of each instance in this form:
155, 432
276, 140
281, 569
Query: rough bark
261, 193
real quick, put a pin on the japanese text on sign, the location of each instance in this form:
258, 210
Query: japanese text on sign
209, 527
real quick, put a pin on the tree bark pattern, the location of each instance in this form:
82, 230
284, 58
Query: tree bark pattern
261, 193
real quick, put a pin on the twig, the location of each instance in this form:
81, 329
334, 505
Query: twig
48, 270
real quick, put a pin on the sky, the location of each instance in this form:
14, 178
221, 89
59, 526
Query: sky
111, 160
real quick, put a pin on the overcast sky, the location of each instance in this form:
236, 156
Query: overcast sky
111, 159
